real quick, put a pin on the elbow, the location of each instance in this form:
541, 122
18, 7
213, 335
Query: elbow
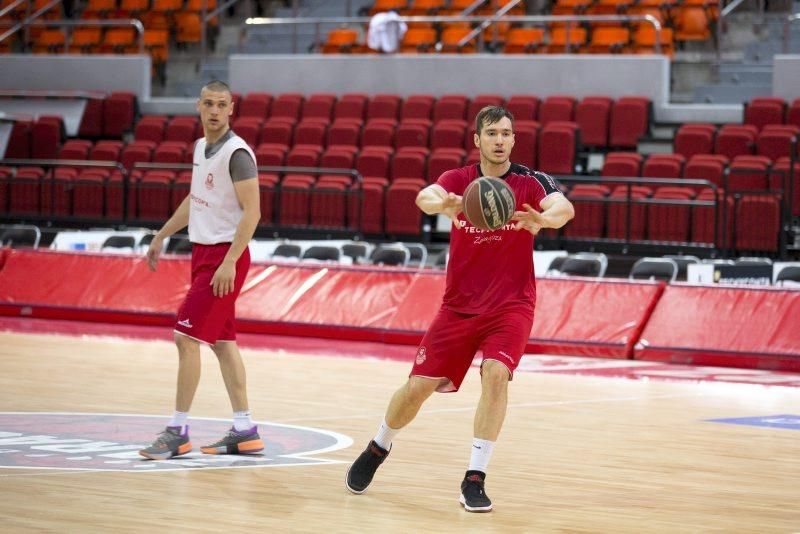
570, 212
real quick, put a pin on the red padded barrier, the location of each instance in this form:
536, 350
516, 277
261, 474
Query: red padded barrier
394, 305
589, 317
687, 324
727, 326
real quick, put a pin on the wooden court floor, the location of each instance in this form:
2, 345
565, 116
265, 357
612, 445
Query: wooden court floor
577, 454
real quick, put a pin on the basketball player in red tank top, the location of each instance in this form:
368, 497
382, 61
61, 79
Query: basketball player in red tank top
488, 303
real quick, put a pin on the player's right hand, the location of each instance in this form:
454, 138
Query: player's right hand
153, 252
452, 205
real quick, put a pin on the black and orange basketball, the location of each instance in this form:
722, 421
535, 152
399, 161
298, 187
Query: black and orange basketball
488, 203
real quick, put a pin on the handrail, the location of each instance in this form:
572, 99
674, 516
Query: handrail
10, 7
136, 23
535, 19
786, 30
724, 12
472, 7
27, 20
476, 31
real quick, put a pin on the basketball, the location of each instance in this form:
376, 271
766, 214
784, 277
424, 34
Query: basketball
488, 203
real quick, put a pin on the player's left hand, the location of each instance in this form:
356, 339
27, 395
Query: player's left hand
222, 282
530, 220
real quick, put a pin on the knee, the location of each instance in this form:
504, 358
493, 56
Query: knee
418, 390
494, 375
186, 346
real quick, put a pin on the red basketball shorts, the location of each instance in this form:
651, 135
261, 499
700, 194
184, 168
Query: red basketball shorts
453, 339
202, 316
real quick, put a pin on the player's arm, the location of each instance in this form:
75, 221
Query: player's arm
434, 200
178, 221
247, 193
556, 212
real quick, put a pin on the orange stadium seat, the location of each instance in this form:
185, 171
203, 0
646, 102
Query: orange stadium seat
197, 5
418, 40
424, 7
387, 5
119, 40
524, 41
134, 7
451, 37
86, 40
692, 24
609, 40
49, 42
340, 40
167, 6
644, 40
189, 27
102, 7
563, 41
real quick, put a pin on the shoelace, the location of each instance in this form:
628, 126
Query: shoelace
164, 438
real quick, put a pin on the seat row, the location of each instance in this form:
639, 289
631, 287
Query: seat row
676, 215
773, 141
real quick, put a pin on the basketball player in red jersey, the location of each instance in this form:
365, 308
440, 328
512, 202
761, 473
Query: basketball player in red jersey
222, 211
488, 303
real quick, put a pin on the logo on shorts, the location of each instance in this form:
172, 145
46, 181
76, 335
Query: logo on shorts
421, 355
504, 355
111, 442
185, 323
210, 181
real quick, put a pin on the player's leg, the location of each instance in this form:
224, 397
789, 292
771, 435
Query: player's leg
174, 439
505, 335
243, 437
442, 360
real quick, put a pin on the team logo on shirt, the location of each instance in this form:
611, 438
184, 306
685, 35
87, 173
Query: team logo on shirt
421, 355
210, 181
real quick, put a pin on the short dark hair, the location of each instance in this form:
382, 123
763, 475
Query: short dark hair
218, 86
490, 115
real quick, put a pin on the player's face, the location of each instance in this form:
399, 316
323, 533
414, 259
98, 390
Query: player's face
215, 110
496, 141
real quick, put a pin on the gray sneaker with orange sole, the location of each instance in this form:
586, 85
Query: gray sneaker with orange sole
234, 442
169, 443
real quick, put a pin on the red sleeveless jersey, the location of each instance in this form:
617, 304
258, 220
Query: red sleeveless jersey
488, 269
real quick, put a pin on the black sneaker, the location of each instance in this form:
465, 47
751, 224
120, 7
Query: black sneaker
363, 469
473, 498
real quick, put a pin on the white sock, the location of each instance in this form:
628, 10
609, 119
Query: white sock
481, 454
179, 419
242, 421
385, 436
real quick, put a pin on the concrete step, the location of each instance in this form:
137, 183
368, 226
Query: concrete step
730, 93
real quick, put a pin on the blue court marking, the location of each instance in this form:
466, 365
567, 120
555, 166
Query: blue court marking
791, 422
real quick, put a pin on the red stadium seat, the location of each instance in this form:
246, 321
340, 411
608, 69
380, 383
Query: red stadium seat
150, 128
558, 149
328, 205
119, 111
418, 107
663, 166
557, 108
776, 143
366, 208
402, 215
618, 213
153, 195
295, 200
269, 155
19, 141
703, 219
344, 132
669, 222
287, 105
303, 156
182, 129
699, 168
766, 110
590, 211
384, 107
255, 105
630, 120
88, 191
691, 139
46, 136
526, 134
734, 140
351, 106
379, 132
480, 102
248, 128
319, 106
448, 134
411, 133
92, 119
748, 173
372, 163
622, 165
136, 152
523, 107
443, 160
450, 107
757, 223
408, 163
592, 115
276, 132
106, 150
75, 149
